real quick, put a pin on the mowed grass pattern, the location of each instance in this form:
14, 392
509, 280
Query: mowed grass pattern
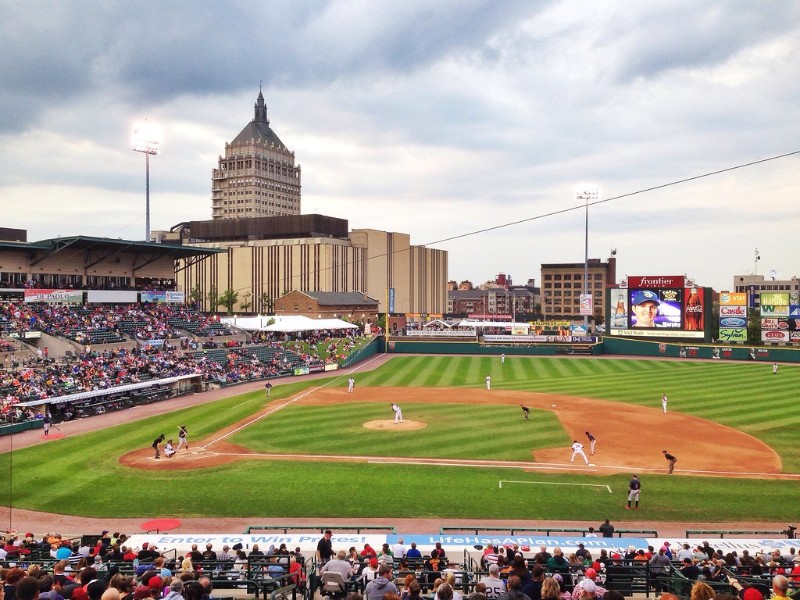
82, 475
452, 431
744, 396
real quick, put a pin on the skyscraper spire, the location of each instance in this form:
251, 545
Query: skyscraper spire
261, 108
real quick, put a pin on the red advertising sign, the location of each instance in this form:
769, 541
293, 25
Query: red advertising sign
693, 309
656, 281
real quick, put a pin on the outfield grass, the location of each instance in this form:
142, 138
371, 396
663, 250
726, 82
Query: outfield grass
82, 475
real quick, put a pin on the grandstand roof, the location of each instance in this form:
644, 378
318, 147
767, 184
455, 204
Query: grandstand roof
83, 242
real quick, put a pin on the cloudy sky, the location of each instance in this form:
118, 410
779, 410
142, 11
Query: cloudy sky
433, 118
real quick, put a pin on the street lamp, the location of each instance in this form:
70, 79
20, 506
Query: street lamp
146, 139
587, 193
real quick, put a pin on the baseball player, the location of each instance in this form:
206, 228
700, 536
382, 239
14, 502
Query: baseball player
351, 384
398, 414
634, 487
156, 443
47, 421
525, 411
182, 441
502, 359
592, 441
577, 450
671, 460
774, 368
664, 402
488, 382
268, 388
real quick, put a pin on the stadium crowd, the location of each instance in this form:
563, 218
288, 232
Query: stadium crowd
106, 568
160, 341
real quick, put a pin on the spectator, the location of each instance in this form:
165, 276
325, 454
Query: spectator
381, 585
514, 592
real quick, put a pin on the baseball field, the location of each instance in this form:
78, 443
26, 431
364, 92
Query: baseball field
462, 451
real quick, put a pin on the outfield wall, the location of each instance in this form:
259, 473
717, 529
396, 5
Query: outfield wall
403, 346
608, 346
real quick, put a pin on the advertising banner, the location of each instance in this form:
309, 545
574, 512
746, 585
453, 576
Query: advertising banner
176, 297
774, 310
693, 310
662, 333
733, 298
153, 296
733, 311
619, 316
656, 281
774, 336
587, 306
111, 297
775, 298
53, 296
733, 335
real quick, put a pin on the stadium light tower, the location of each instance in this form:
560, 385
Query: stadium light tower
588, 193
146, 139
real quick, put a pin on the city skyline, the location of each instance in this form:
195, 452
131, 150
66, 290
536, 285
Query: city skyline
437, 121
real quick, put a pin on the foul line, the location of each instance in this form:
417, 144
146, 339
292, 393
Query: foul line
275, 409
502, 481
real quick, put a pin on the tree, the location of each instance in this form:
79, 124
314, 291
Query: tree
267, 304
228, 298
196, 297
213, 299
246, 304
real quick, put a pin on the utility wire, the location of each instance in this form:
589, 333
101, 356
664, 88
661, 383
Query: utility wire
612, 198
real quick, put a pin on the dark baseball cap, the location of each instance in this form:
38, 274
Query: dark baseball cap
643, 296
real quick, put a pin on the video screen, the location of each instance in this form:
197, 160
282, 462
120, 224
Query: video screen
655, 308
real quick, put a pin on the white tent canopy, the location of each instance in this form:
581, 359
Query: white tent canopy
286, 324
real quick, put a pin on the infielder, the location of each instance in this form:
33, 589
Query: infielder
351, 383
577, 450
664, 402
488, 382
398, 414
525, 411
634, 487
671, 460
592, 441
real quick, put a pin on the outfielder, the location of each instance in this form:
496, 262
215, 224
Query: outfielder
398, 414
634, 487
577, 450
488, 382
664, 402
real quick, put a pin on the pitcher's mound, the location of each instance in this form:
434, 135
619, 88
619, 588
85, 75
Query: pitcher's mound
390, 425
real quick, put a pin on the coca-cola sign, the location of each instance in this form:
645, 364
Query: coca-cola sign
656, 281
733, 311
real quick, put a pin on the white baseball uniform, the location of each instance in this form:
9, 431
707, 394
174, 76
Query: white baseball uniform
398, 414
577, 450
664, 403
488, 382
